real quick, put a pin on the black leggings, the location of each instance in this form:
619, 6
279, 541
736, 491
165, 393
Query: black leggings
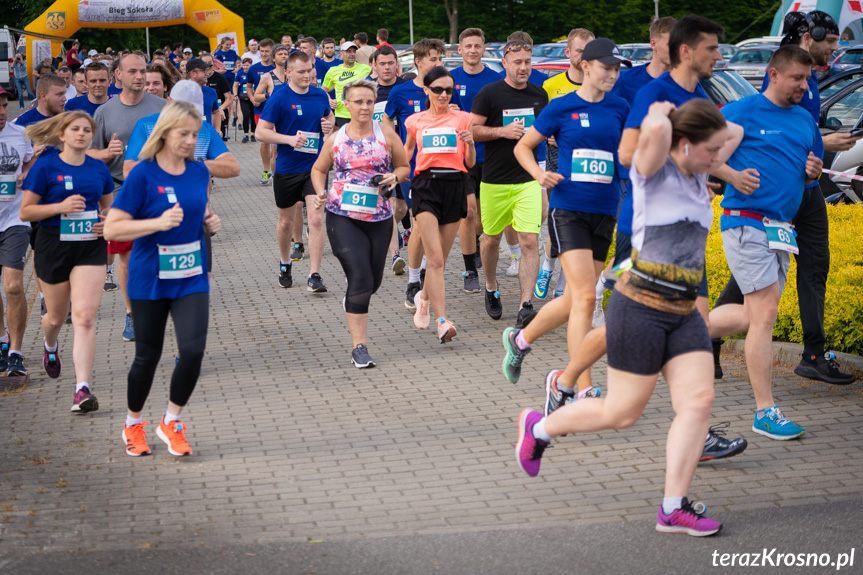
361, 248
191, 314
248, 115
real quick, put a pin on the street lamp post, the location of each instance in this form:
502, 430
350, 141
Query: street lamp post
411, 18
656, 3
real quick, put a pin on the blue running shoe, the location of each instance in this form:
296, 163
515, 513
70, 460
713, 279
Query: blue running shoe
129, 329
514, 355
774, 425
540, 290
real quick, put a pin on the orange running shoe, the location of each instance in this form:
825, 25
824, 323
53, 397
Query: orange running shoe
445, 330
174, 436
136, 440
422, 318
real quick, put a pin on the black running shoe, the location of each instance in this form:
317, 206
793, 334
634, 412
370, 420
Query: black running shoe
525, 315
4, 355
316, 284
360, 357
493, 306
824, 369
299, 252
717, 447
717, 349
422, 278
411, 294
285, 279
16, 365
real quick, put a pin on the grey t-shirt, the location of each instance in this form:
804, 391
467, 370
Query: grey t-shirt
114, 117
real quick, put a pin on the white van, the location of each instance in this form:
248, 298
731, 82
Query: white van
7, 55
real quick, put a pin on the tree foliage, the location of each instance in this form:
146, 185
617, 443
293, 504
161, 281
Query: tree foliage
621, 20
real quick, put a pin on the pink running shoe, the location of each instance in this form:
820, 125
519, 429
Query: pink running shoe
422, 318
686, 520
528, 450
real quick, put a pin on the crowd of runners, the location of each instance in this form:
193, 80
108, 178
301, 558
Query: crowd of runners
111, 190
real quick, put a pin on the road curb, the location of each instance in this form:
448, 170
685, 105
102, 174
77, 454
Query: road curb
789, 354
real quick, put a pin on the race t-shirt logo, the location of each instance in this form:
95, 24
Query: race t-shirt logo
68, 181
298, 108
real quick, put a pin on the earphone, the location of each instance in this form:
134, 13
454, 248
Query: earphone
817, 32
686, 149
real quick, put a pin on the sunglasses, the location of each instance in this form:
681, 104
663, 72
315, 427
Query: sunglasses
518, 47
440, 90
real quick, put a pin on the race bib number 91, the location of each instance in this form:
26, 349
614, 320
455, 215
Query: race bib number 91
595, 166
359, 199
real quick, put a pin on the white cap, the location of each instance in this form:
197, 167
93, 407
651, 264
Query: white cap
253, 41
185, 50
87, 62
92, 52
347, 45
107, 62
188, 91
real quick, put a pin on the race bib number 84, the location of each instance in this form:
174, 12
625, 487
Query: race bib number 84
524, 115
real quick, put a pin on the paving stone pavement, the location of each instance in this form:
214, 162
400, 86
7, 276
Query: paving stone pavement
292, 443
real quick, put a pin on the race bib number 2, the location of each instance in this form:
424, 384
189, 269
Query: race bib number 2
594, 166
7, 187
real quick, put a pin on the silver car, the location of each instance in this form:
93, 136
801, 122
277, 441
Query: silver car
751, 63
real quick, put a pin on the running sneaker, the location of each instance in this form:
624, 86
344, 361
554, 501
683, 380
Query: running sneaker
129, 329
514, 355
253, 138
422, 277
717, 447
174, 436
285, 279
540, 290
135, 439
471, 281
360, 357
51, 363
717, 350
16, 365
824, 369
398, 266
558, 291
686, 520
529, 449
299, 252
316, 284
512, 270
406, 236
4, 355
265, 178
589, 392
598, 314
774, 425
110, 284
68, 320
493, 306
245, 139
445, 330
84, 401
422, 318
555, 397
412, 291
525, 315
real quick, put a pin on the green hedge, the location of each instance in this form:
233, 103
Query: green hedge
843, 309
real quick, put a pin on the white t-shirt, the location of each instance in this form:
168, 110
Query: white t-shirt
71, 92
255, 56
15, 151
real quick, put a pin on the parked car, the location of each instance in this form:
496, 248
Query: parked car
727, 51
762, 41
453, 63
751, 63
7, 55
841, 110
848, 60
550, 51
726, 86
636, 52
551, 67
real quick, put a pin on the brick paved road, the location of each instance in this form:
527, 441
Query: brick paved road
292, 443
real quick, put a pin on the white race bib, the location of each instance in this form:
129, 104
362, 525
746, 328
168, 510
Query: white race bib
8, 185
378, 115
359, 199
439, 141
524, 115
313, 142
78, 226
780, 236
180, 261
595, 166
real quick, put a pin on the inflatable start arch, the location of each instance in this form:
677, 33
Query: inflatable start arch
65, 17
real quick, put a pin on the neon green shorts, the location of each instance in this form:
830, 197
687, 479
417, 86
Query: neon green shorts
516, 204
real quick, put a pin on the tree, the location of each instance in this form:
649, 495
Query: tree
452, 16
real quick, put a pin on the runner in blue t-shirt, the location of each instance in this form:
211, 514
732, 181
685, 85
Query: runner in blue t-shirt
470, 78
297, 119
779, 154
587, 126
241, 93
97, 90
67, 191
228, 56
404, 100
164, 207
256, 72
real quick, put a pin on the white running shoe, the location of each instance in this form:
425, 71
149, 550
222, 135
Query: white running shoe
598, 314
512, 270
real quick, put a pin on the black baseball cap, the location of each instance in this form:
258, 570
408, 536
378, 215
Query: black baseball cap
197, 64
605, 51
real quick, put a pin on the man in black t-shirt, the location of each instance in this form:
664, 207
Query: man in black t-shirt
502, 113
218, 83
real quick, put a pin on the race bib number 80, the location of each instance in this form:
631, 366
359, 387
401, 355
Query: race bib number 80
594, 166
440, 141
